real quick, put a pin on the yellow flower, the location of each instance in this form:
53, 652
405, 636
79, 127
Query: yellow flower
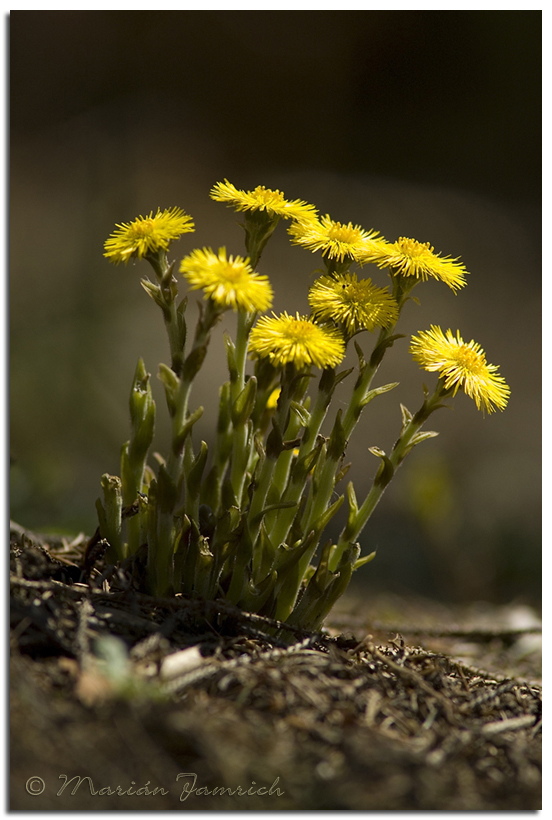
407, 257
357, 305
335, 240
229, 281
272, 401
461, 365
147, 235
295, 339
262, 199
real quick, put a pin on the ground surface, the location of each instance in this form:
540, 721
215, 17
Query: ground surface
172, 704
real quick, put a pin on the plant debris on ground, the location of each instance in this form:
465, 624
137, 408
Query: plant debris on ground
123, 701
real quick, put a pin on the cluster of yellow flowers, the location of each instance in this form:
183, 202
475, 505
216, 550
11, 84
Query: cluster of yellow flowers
341, 304
249, 529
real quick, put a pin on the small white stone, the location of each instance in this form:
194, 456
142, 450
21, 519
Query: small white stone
181, 662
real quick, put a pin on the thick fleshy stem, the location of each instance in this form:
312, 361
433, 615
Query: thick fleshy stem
135, 452
171, 479
296, 485
110, 517
211, 492
409, 438
401, 289
208, 318
293, 386
361, 396
241, 409
259, 227
165, 294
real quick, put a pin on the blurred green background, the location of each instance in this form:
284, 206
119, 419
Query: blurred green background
416, 123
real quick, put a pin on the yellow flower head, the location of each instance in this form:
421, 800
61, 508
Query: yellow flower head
359, 305
407, 257
262, 199
147, 234
272, 401
335, 240
461, 365
229, 281
295, 339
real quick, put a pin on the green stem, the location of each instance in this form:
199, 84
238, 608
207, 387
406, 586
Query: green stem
245, 322
240, 455
295, 489
258, 501
290, 386
281, 472
259, 227
401, 449
401, 289
167, 294
174, 335
191, 367
322, 496
169, 490
362, 387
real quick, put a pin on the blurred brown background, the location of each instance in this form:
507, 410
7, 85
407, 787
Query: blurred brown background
416, 123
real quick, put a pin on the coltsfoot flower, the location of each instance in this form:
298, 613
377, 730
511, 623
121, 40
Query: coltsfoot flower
358, 305
228, 280
461, 365
335, 240
262, 199
272, 401
147, 235
297, 340
408, 257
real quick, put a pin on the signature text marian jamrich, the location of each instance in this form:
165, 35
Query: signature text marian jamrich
188, 787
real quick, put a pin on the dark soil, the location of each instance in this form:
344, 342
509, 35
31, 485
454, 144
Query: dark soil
129, 692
